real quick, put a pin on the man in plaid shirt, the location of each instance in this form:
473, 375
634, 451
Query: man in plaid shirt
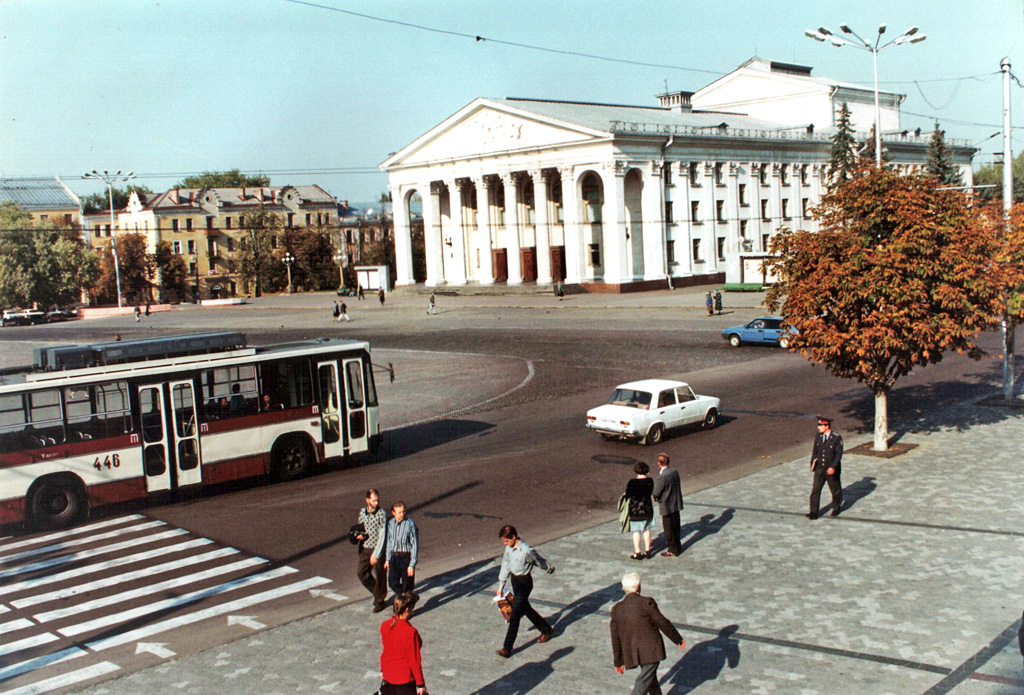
371, 570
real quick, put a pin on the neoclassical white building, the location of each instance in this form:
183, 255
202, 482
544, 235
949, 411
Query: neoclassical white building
622, 198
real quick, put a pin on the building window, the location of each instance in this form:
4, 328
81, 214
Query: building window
96, 231
595, 254
227, 223
696, 251
526, 197
743, 195
193, 269
692, 171
720, 210
762, 174
177, 247
667, 173
720, 248
670, 250
291, 219
209, 222
211, 248
231, 244
695, 211
785, 208
743, 235
591, 200
719, 177
174, 225
764, 209
273, 241
188, 224
765, 240
478, 258
309, 219
805, 208
784, 172
668, 212
803, 175
191, 245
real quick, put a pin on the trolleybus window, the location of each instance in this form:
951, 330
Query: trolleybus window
355, 384
230, 392
288, 382
371, 387
97, 411
43, 426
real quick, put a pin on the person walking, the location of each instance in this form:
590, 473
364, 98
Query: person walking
709, 303
148, 310
718, 302
138, 313
560, 290
380, 296
636, 642
516, 565
401, 662
641, 510
669, 496
336, 313
826, 465
399, 546
432, 307
371, 571
359, 292
343, 309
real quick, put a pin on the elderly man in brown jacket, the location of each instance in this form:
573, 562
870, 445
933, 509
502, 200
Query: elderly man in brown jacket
636, 621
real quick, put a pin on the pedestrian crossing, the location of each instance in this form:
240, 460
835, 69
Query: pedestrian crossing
68, 599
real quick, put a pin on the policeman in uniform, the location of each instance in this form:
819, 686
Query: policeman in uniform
826, 464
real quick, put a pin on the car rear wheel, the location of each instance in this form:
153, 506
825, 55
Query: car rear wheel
784, 343
654, 435
734, 340
710, 419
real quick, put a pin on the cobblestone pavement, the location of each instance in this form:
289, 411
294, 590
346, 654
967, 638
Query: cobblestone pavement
915, 588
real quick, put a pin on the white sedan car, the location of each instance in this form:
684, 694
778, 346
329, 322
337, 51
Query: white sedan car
645, 410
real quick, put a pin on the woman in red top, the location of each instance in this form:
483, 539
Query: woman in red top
400, 667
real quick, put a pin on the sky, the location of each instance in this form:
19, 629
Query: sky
312, 92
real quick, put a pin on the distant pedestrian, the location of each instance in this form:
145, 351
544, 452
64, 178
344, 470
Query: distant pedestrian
138, 313
371, 570
560, 290
709, 303
343, 309
336, 312
401, 666
718, 301
641, 510
380, 296
148, 311
516, 564
359, 292
432, 306
399, 546
669, 496
635, 625
827, 466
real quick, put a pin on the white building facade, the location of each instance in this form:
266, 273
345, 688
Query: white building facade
623, 198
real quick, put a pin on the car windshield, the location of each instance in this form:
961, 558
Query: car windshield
631, 399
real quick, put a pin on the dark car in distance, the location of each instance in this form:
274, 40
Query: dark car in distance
764, 330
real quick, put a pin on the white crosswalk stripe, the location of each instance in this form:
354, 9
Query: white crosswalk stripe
193, 580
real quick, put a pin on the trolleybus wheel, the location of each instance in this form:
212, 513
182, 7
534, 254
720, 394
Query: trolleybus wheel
55, 503
291, 459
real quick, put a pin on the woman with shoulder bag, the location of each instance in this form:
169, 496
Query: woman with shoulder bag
401, 670
641, 510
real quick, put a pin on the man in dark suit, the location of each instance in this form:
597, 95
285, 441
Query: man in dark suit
669, 496
827, 465
635, 623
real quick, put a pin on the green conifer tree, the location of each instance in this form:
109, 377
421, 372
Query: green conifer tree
940, 160
843, 159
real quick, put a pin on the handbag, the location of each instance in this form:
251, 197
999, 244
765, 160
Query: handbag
505, 606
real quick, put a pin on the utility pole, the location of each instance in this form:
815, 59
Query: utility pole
1008, 322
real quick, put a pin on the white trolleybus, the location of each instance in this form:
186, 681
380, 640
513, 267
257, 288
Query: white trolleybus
89, 425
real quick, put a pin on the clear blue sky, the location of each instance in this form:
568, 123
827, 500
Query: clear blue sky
175, 87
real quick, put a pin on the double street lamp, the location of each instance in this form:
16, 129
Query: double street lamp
909, 36
340, 257
288, 260
110, 179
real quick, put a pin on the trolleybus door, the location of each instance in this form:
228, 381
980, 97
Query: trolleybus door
355, 393
170, 437
330, 410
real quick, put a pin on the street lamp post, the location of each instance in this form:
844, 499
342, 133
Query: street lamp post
909, 36
340, 257
110, 179
288, 260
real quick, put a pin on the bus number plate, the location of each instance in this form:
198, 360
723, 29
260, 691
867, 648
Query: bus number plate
110, 461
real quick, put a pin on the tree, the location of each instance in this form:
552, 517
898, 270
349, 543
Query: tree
314, 267
100, 202
899, 274
843, 160
136, 270
1010, 260
867, 151
223, 179
940, 160
258, 264
992, 175
171, 271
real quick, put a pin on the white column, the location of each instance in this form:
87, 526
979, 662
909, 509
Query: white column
733, 243
655, 227
571, 232
403, 238
540, 180
707, 217
483, 223
429, 194
515, 261
613, 231
455, 271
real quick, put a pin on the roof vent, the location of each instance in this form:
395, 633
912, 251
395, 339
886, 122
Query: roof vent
676, 101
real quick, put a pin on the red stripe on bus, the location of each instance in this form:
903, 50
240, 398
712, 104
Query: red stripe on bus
12, 511
86, 447
117, 491
233, 469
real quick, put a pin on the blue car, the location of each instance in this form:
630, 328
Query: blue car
764, 330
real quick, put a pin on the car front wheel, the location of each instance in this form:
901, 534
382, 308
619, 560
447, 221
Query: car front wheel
784, 343
654, 435
734, 340
710, 419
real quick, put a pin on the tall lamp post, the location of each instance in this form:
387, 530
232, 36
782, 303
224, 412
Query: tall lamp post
340, 257
288, 260
909, 36
110, 179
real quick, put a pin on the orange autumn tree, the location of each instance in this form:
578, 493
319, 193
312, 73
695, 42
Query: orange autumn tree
899, 274
1010, 257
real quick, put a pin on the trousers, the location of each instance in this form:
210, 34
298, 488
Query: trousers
398, 575
647, 680
522, 587
670, 524
372, 576
834, 486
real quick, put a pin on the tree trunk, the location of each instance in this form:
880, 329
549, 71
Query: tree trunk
881, 421
1009, 328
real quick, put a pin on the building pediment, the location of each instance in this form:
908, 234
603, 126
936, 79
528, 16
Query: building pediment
485, 127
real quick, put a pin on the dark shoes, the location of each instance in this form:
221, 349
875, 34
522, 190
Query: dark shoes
835, 511
545, 637
378, 607
812, 517
503, 653
669, 553
638, 556
650, 554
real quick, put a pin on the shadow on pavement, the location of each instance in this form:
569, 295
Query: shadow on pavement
584, 606
404, 441
703, 662
708, 525
465, 581
525, 678
855, 492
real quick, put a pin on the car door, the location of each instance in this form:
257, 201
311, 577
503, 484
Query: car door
668, 410
772, 331
689, 406
753, 332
